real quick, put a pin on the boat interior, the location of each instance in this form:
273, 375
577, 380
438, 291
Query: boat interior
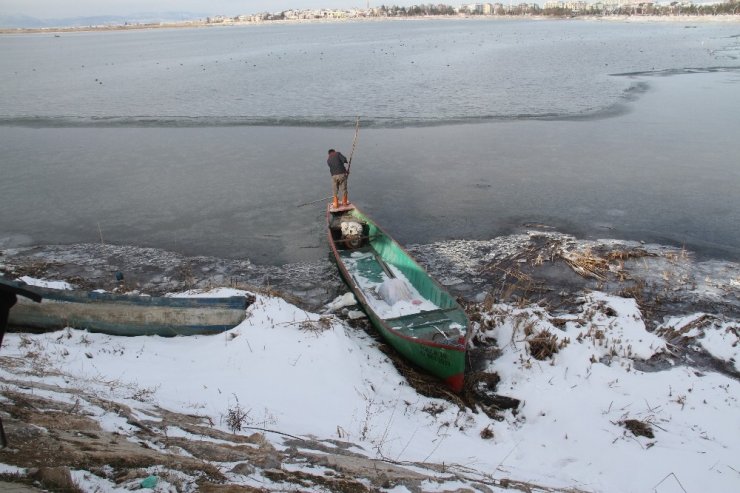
357, 245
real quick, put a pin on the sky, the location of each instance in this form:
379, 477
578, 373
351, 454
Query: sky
77, 8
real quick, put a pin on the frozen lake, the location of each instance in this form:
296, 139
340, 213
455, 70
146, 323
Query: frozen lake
204, 141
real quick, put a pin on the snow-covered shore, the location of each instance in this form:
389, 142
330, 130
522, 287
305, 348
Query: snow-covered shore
589, 418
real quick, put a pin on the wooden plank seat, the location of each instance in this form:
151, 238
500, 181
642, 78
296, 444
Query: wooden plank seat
431, 324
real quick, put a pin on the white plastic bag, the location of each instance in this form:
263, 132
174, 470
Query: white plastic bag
394, 290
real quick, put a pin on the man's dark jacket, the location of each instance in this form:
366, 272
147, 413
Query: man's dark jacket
336, 162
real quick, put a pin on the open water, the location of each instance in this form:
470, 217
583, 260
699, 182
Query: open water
205, 141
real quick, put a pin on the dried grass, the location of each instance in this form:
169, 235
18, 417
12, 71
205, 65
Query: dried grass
586, 263
486, 433
56, 479
638, 428
236, 417
315, 326
543, 345
681, 336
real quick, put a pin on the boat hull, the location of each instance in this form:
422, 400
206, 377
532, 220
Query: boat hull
127, 315
433, 337
446, 362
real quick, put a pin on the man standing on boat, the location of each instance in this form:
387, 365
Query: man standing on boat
339, 175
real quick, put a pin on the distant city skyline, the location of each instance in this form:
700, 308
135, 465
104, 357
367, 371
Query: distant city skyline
80, 8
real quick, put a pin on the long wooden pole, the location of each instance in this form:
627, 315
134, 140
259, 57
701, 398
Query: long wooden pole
314, 201
354, 143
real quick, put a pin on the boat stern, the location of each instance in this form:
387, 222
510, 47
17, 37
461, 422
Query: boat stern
456, 382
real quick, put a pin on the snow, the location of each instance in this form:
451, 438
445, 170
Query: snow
309, 374
720, 338
345, 300
569, 425
6, 469
393, 296
41, 283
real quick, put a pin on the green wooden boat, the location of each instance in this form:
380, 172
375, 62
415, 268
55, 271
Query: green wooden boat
412, 311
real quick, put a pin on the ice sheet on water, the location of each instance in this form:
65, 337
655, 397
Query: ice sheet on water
562, 263
471, 269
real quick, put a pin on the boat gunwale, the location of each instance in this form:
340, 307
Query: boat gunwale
235, 302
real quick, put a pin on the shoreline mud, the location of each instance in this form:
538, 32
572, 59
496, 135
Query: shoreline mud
535, 266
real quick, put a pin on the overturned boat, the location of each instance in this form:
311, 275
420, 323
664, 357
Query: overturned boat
125, 315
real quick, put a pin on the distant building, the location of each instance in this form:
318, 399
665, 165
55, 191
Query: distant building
475, 8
